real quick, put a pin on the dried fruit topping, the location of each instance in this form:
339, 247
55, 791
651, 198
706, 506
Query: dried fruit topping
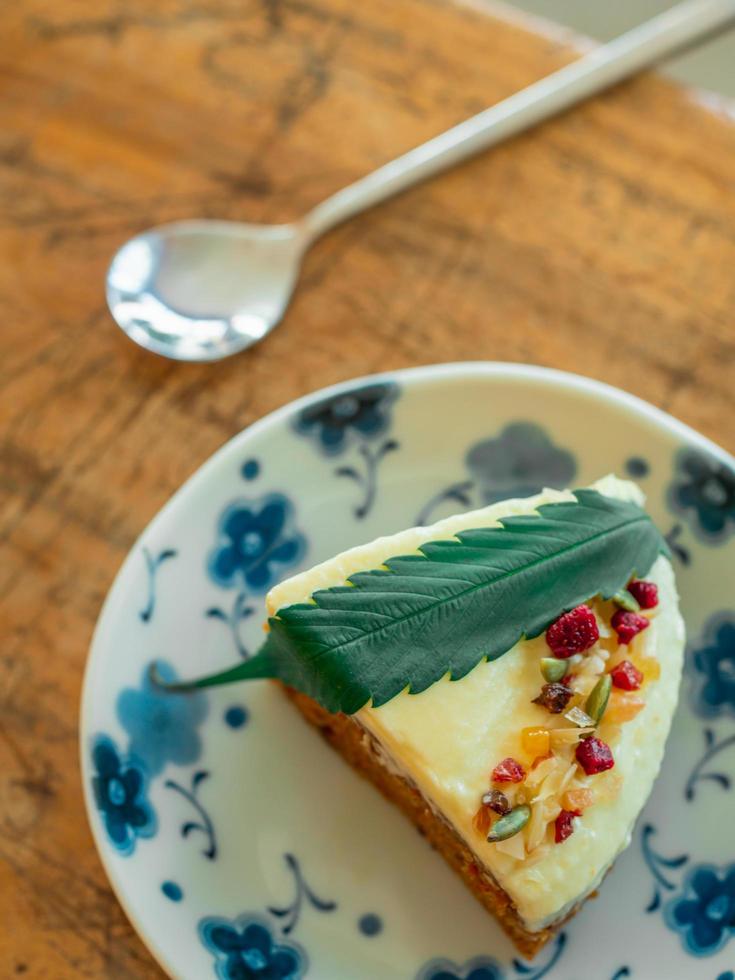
650, 667
482, 820
554, 697
539, 762
628, 625
594, 755
645, 593
579, 718
578, 799
574, 632
599, 696
626, 676
623, 708
535, 741
508, 771
553, 669
498, 802
567, 679
510, 824
564, 825
624, 600
568, 736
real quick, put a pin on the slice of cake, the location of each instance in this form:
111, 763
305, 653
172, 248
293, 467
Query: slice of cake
527, 773
507, 676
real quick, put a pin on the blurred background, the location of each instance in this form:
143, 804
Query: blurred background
710, 66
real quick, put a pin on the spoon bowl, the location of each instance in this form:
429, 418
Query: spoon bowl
201, 290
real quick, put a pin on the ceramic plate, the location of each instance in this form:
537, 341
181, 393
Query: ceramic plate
240, 845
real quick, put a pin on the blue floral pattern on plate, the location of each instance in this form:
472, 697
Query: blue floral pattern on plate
354, 416
256, 543
703, 910
703, 490
481, 968
488, 968
120, 787
704, 914
200, 821
712, 665
519, 462
153, 563
358, 413
244, 949
162, 727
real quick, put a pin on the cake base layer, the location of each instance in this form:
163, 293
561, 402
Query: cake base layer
358, 748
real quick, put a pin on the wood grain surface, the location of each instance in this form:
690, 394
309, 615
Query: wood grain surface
604, 243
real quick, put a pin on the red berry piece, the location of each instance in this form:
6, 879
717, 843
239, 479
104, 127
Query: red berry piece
564, 825
628, 625
645, 593
574, 632
508, 771
594, 755
626, 676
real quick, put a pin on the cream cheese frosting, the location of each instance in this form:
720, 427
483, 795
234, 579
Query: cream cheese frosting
447, 739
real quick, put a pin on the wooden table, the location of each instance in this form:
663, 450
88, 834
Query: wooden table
604, 243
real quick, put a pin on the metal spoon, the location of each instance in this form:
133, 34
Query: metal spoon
202, 290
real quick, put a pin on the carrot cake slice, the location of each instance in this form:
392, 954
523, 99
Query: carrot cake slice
527, 773
506, 676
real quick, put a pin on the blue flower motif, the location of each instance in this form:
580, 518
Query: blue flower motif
703, 490
162, 726
256, 540
713, 665
704, 914
119, 787
361, 412
244, 949
519, 462
480, 968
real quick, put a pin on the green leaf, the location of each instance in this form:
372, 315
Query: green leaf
440, 612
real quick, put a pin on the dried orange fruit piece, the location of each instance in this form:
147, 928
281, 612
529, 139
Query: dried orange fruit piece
622, 708
535, 741
578, 799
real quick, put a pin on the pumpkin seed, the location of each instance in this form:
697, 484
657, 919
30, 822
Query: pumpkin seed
624, 600
553, 669
599, 696
510, 824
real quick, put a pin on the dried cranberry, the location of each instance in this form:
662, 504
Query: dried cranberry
497, 801
645, 593
508, 771
574, 632
594, 755
567, 679
564, 825
626, 676
628, 625
554, 697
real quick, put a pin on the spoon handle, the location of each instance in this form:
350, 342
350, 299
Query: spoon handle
601, 68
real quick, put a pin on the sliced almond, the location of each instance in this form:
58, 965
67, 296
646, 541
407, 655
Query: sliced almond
514, 847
